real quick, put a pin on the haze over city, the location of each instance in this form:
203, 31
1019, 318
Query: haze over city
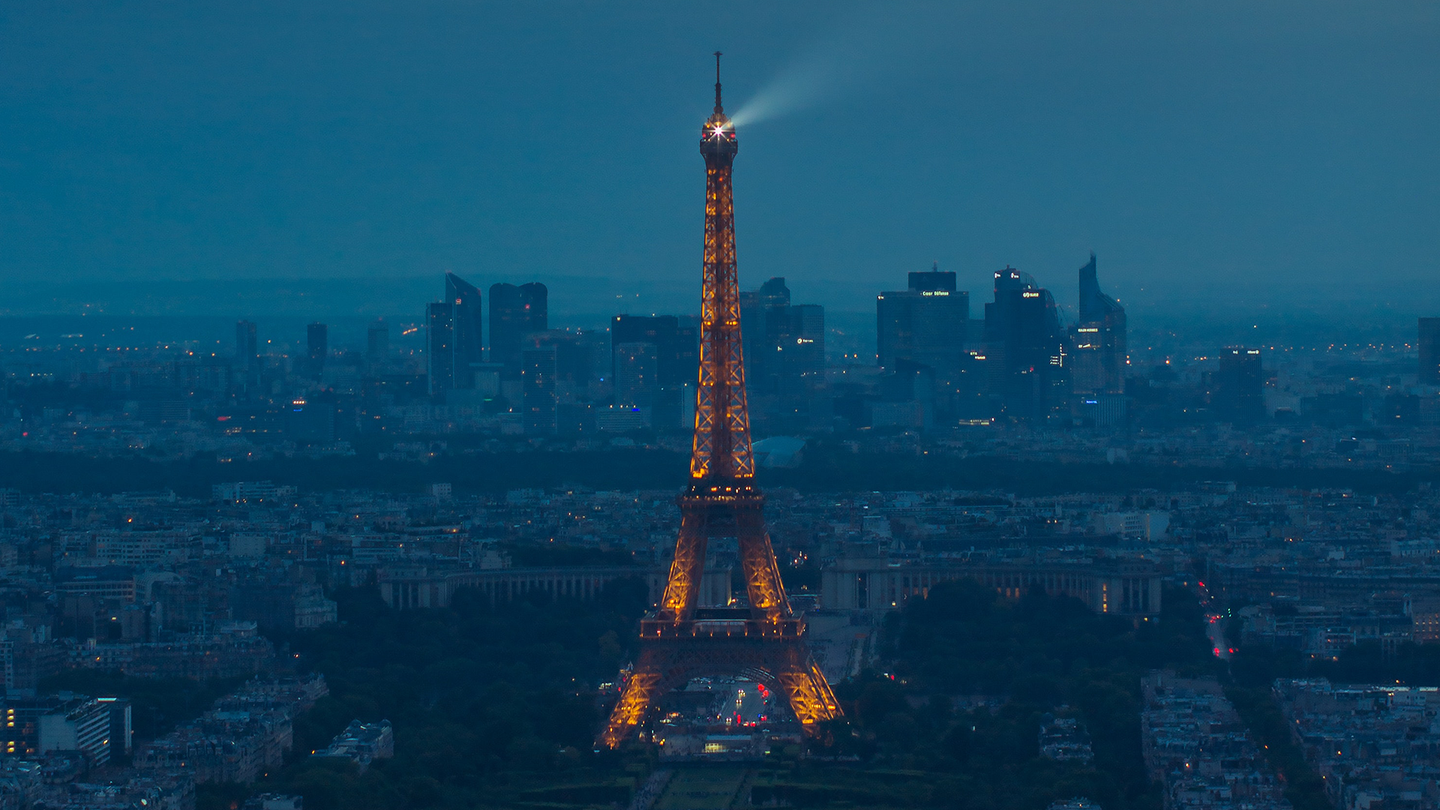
899, 406
170, 162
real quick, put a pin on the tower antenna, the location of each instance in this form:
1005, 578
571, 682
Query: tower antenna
718, 108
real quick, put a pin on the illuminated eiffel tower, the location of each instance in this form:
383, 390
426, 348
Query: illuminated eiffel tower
679, 641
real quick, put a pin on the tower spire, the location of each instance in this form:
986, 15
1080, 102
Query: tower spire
718, 108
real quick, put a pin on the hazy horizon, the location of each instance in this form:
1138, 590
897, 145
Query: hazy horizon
1216, 157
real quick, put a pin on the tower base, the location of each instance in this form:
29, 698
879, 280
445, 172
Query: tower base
672, 654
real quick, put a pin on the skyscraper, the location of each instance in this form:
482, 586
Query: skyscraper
377, 342
784, 355
469, 339
676, 349
765, 314
1025, 344
1237, 389
636, 375
925, 325
454, 348
577, 363
440, 347
1100, 356
537, 377
247, 344
514, 313
805, 343
317, 344
1430, 351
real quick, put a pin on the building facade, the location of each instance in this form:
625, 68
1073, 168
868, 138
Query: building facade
515, 311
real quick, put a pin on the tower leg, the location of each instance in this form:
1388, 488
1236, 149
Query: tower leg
627, 715
757, 560
810, 696
682, 591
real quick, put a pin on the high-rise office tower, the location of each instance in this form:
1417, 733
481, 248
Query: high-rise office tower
789, 339
1026, 346
317, 345
440, 347
1099, 356
514, 313
676, 347
784, 355
1237, 391
765, 314
377, 342
924, 325
454, 345
537, 385
247, 343
1430, 351
469, 338
575, 358
805, 344
246, 374
637, 374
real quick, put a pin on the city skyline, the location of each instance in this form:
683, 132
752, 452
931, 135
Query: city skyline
516, 521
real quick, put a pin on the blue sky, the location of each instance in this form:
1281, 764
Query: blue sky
1279, 151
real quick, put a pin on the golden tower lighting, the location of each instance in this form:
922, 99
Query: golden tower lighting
681, 641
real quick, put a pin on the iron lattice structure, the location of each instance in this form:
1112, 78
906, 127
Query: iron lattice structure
680, 641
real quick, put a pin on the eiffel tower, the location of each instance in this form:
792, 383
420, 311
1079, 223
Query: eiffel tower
680, 640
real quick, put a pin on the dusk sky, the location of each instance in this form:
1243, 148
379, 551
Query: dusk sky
1285, 147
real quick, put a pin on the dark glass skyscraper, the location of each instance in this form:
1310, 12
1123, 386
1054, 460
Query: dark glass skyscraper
677, 346
1237, 392
514, 313
765, 320
454, 347
247, 343
538, 400
805, 343
1430, 351
784, 356
317, 344
675, 362
377, 342
469, 339
1026, 347
924, 325
440, 347
636, 375
1100, 356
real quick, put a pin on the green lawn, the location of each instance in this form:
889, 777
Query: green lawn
702, 789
